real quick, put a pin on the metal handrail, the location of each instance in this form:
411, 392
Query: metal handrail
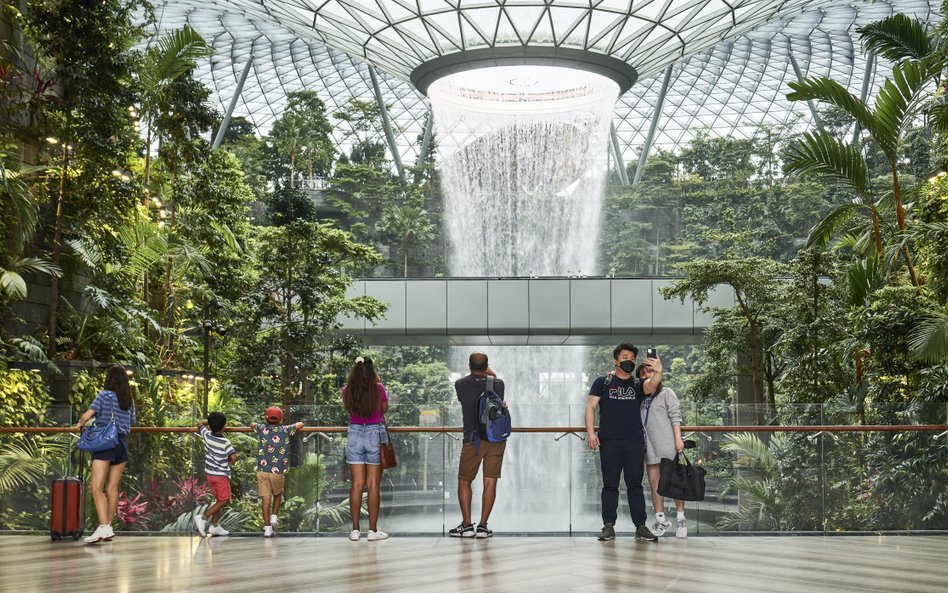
527, 429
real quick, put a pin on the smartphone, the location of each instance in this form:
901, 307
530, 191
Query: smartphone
651, 353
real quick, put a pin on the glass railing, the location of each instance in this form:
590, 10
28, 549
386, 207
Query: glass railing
818, 471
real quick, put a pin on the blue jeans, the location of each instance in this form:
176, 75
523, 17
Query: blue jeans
622, 457
362, 445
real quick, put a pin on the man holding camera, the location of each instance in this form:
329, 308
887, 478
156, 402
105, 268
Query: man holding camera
621, 440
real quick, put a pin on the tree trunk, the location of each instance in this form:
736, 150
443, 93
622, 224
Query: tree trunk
405, 256
55, 256
900, 216
293, 169
877, 233
147, 163
755, 353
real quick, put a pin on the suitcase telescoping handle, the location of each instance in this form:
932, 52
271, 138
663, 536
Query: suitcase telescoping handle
70, 450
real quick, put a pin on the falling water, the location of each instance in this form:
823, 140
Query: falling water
523, 168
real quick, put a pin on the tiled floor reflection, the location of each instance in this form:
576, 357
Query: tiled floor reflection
439, 564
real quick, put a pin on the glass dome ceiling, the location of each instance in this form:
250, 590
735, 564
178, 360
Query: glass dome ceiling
729, 59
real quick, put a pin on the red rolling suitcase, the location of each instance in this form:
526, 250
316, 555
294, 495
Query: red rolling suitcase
68, 506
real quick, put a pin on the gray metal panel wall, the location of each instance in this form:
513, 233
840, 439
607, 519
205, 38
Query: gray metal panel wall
549, 310
392, 292
350, 324
590, 306
508, 311
467, 307
632, 300
426, 310
671, 317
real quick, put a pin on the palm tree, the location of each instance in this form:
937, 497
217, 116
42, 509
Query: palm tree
929, 339
17, 202
170, 58
763, 504
898, 102
405, 222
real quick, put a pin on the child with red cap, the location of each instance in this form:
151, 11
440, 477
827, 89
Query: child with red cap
273, 462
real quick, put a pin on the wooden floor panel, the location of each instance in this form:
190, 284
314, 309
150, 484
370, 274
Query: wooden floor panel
802, 564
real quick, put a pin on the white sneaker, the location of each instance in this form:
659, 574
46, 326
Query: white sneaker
273, 520
217, 530
201, 523
682, 529
375, 536
268, 531
354, 535
110, 534
660, 527
101, 533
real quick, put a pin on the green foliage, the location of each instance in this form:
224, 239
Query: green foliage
885, 326
292, 306
762, 505
302, 134
24, 397
406, 223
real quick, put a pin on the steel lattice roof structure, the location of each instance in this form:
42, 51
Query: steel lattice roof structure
727, 62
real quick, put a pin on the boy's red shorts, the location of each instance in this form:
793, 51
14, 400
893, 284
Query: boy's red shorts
220, 487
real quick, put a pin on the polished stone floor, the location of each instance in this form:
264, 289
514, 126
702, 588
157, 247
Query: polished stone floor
793, 564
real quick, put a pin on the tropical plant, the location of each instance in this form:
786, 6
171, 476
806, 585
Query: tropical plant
231, 519
20, 220
405, 223
28, 461
752, 323
89, 50
172, 56
294, 303
897, 104
762, 504
302, 133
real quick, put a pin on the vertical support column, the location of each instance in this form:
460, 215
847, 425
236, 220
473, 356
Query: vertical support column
864, 93
653, 127
809, 102
617, 153
425, 141
219, 138
386, 124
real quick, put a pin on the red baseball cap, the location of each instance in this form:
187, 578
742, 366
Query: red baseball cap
274, 415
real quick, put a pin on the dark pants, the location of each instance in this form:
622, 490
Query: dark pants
626, 457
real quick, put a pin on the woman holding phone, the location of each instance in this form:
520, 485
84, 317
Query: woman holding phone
661, 421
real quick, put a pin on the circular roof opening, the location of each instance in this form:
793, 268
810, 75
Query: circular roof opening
568, 60
529, 90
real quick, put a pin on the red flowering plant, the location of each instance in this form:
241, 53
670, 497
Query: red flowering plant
188, 492
133, 512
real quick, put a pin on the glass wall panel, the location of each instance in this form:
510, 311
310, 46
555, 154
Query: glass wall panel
757, 481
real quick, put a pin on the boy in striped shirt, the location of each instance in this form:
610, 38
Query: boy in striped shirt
218, 455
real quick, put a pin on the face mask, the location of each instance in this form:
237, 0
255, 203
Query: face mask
627, 366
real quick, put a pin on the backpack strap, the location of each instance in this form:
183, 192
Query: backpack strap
490, 384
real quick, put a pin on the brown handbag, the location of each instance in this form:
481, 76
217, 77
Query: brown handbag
387, 450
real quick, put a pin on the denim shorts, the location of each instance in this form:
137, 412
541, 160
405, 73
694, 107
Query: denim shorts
116, 455
362, 447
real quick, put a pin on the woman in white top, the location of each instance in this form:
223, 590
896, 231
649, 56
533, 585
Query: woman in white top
661, 421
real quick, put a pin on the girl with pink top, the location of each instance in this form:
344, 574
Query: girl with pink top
366, 402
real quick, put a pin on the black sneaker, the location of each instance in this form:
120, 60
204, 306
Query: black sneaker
462, 530
643, 532
608, 533
483, 532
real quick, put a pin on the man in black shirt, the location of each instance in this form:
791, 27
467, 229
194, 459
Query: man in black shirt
469, 389
621, 440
